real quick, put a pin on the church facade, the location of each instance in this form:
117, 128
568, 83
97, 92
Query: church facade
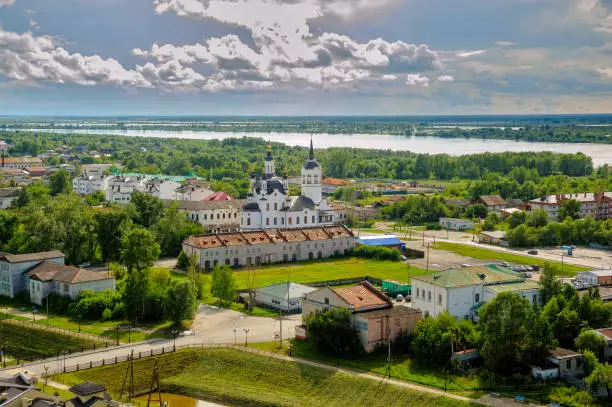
269, 205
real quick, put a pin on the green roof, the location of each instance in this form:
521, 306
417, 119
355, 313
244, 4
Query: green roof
177, 178
467, 276
525, 285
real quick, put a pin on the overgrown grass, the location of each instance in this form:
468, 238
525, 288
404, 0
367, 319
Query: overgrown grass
494, 255
237, 378
29, 343
309, 272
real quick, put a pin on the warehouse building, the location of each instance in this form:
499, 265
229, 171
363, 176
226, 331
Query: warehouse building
269, 246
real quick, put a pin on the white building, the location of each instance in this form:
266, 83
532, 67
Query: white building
595, 277
462, 291
595, 205
161, 188
7, 196
121, 187
268, 246
13, 267
456, 224
53, 278
269, 205
215, 216
286, 297
90, 181
193, 190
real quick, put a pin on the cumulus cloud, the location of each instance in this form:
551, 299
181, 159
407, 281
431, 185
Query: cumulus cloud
417, 80
446, 78
467, 54
6, 3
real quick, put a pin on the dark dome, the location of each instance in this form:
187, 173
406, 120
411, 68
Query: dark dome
311, 165
302, 203
275, 185
269, 156
251, 207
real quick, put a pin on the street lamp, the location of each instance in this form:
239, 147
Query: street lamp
117, 329
246, 337
235, 330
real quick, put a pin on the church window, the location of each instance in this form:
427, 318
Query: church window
297, 220
205, 216
313, 219
316, 179
305, 220
249, 221
267, 221
275, 221
268, 206
282, 221
218, 216
223, 216
309, 180
275, 206
290, 220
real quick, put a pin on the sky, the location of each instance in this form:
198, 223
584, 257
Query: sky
305, 57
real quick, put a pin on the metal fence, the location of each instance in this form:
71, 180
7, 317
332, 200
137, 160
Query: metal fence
60, 331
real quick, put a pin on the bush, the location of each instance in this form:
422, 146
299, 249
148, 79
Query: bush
182, 262
572, 397
377, 253
333, 332
58, 304
433, 226
90, 305
107, 314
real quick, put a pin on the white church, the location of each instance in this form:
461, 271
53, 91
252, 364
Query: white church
269, 205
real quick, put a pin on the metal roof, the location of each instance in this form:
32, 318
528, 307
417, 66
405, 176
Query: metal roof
520, 286
284, 290
467, 276
382, 240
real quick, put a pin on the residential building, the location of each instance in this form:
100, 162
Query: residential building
462, 291
268, 246
372, 313
496, 237
389, 241
4, 146
494, 203
515, 203
55, 168
90, 394
19, 391
569, 363
89, 182
456, 224
16, 176
269, 205
21, 162
458, 203
507, 212
121, 187
14, 266
193, 190
606, 333
162, 188
286, 297
595, 277
219, 196
36, 172
7, 196
52, 278
214, 216
596, 205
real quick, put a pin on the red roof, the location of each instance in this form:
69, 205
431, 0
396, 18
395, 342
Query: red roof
219, 196
362, 296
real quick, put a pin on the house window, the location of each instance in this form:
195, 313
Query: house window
364, 326
297, 220
248, 221
275, 206
568, 364
305, 220
429, 296
267, 221
440, 299
417, 293
290, 220
313, 219
282, 221
268, 206
218, 216
477, 298
275, 221
578, 362
535, 298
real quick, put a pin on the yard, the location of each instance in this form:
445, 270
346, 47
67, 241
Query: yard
313, 271
495, 255
237, 378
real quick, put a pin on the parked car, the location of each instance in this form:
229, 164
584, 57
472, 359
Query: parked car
504, 264
404, 258
535, 267
528, 268
534, 252
528, 275
399, 298
465, 265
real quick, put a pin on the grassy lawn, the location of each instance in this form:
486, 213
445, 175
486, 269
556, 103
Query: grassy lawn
402, 367
28, 343
237, 378
494, 255
308, 272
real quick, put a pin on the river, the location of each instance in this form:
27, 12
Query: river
600, 153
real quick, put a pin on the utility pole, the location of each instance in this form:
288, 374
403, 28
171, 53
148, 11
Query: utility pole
246, 337
389, 347
427, 256
155, 387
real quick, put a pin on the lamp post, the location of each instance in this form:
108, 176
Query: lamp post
235, 335
246, 337
117, 330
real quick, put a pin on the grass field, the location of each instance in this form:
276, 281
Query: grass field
241, 379
494, 255
27, 343
309, 272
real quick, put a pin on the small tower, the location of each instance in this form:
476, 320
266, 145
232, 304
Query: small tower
311, 178
269, 164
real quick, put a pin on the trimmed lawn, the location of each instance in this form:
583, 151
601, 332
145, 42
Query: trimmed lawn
233, 377
494, 255
309, 272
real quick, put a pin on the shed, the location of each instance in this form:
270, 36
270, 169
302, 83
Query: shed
285, 297
393, 288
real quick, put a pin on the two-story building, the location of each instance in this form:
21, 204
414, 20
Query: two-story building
53, 278
214, 216
21, 162
7, 196
373, 314
14, 266
462, 291
596, 205
193, 190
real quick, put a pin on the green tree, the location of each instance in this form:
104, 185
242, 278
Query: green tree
139, 249
549, 283
517, 218
148, 209
136, 293
432, 338
60, 182
570, 208
95, 199
537, 218
181, 302
504, 332
172, 229
590, 340
590, 362
223, 285
601, 377
9, 222
111, 226
540, 337
333, 332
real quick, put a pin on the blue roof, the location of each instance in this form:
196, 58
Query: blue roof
383, 240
